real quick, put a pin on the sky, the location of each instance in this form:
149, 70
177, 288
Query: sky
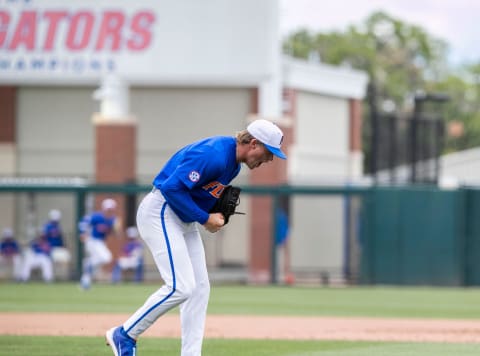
455, 21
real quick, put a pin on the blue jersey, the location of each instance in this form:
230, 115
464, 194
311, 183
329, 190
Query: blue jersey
9, 247
194, 178
41, 246
53, 234
98, 225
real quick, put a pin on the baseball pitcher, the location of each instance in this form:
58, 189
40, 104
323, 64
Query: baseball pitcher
183, 197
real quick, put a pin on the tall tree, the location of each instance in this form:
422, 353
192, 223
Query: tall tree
398, 57
401, 59
462, 112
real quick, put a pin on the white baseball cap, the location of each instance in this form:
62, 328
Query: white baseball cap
108, 204
132, 232
269, 134
55, 215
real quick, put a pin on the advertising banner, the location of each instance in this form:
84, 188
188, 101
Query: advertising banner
144, 41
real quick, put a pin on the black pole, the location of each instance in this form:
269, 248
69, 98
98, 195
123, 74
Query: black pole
80, 198
414, 139
439, 143
372, 91
131, 206
392, 152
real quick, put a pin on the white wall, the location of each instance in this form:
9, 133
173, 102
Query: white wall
317, 234
320, 154
55, 132
462, 166
321, 138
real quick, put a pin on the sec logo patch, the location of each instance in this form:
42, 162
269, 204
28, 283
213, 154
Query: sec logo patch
194, 176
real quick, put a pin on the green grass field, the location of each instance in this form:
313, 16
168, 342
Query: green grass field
452, 303
459, 303
91, 346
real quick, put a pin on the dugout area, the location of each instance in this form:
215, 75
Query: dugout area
388, 235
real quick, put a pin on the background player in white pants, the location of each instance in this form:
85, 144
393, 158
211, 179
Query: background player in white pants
184, 192
38, 255
94, 229
131, 257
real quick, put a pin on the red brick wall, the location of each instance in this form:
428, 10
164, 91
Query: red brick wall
355, 125
8, 104
115, 163
116, 153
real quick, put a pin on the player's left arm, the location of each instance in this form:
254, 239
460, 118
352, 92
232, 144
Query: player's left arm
196, 170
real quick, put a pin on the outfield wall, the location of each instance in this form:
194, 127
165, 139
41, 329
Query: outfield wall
389, 235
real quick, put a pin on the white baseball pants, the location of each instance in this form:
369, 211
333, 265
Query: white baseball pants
129, 262
34, 260
97, 252
177, 249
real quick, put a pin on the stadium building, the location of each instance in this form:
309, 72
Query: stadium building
106, 92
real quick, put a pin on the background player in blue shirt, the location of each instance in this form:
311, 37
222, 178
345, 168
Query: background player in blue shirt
10, 253
54, 235
52, 230
184, 192
94, 229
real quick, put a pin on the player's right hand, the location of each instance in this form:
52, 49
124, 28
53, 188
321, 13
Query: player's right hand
215, 222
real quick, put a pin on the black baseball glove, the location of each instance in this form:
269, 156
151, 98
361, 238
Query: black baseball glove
228, 202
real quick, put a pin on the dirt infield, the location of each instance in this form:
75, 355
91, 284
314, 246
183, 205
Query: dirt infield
253, 327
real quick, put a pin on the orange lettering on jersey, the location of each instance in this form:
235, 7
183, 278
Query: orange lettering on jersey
210, 185
217, 191
214, 188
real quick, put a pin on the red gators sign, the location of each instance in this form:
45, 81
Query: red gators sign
74, 31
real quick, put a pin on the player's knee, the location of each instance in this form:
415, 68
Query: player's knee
185, 291
203, 288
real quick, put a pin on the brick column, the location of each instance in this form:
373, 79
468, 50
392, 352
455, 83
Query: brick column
356, 155
261, 228
8, 117
8, 159
115, 152
8, 100
115, 163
